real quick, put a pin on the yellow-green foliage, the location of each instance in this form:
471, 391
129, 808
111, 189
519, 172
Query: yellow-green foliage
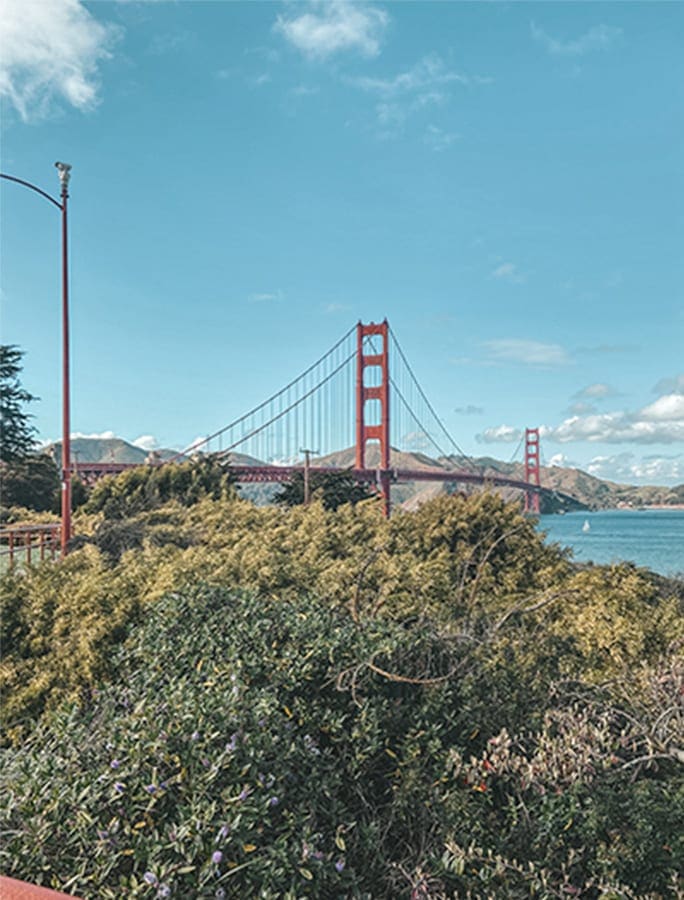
467, 562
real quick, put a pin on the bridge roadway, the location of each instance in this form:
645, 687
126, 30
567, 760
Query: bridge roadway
91, 472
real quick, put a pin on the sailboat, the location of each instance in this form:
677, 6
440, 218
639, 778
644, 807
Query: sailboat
586, 527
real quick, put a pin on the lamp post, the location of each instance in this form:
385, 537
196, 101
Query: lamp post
64, 171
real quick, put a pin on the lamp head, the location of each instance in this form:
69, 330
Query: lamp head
64, 171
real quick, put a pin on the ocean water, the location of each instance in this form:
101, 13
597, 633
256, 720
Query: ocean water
652, 538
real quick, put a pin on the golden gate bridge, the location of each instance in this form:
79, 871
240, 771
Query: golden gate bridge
361, 394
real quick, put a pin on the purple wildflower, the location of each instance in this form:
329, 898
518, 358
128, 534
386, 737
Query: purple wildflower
119, 787
194, 736
216, 857
103, 835
222, 834
151, 788
339, 865
244, 793
114, 764
317, 854
232, 743
150, 878
164, 891
273, 801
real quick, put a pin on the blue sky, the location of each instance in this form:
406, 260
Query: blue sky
502, 181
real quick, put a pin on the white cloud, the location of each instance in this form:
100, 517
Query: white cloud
649, 469
96, 436
146, 442
335, 26
508, 272
562, 461
669, 408
600, 37
50, 49
533, 353
651, 425
502, 434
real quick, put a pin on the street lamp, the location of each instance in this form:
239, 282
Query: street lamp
64, 172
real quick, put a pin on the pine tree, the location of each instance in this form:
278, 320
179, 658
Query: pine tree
17, 435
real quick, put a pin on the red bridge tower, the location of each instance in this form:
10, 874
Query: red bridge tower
375, 431
532, 469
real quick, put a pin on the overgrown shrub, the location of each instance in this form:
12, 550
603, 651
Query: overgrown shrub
249, 747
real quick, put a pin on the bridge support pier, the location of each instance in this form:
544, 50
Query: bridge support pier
532, 472
373, 431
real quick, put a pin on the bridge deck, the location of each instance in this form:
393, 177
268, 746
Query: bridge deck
277, 474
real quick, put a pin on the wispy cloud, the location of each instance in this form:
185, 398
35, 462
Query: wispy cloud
469, 410
51, 51
266, 297
502, 434
438, 139
508, 272
171, 41
531, 353
600, 37
673, 385
305, 90
332, 308
403, 94
427, 74
596, 391
327, 28
581, 408
609, 349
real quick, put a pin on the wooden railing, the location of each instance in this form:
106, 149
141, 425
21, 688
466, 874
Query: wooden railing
29, 543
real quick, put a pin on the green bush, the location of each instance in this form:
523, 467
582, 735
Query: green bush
271, 748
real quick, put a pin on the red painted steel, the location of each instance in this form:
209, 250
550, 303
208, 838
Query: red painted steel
20, 540
11, 889
532, 469
66, 406
91, 472
378, 432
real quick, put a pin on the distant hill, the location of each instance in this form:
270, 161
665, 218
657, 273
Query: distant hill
104, 450
587, 491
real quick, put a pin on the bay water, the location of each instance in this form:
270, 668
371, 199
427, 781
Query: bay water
653, 538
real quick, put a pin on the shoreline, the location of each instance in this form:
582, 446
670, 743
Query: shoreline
679, 507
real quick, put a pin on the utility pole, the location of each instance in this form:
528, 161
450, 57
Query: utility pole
307, 466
